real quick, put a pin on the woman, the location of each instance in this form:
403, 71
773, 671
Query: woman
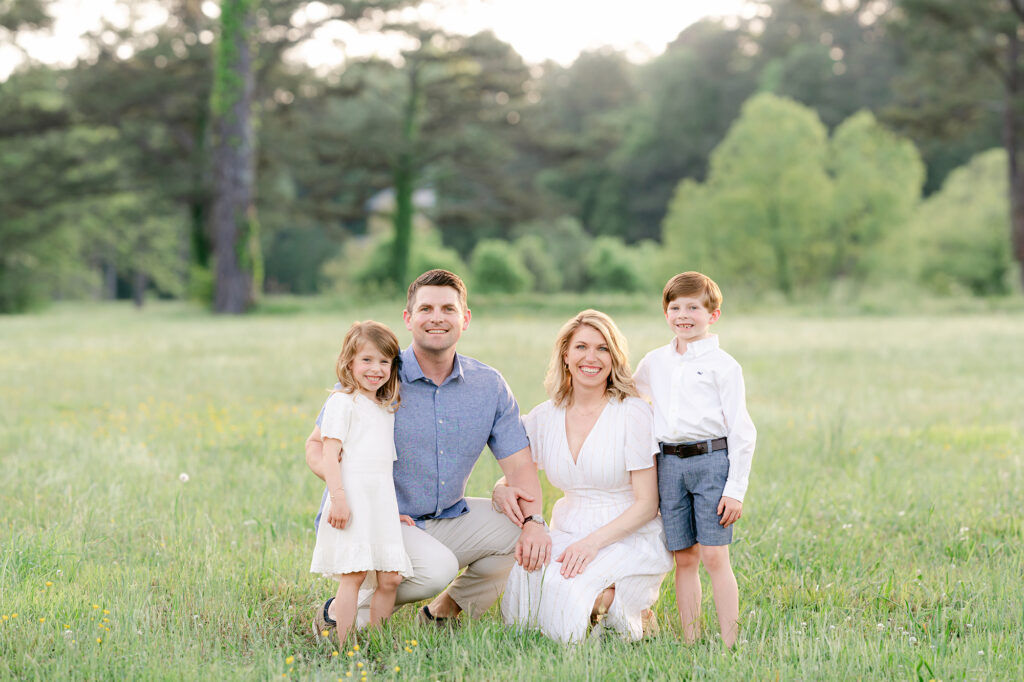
594, 439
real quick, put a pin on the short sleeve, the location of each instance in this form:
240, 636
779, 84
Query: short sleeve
320, 417
337, 416
532, 422
640, 444
507, 434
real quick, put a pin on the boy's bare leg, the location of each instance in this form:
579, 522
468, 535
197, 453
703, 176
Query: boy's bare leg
688, 591
724, 590
383, 601
343, 608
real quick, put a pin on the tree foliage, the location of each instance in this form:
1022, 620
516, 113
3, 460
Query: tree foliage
787, 208
957, 239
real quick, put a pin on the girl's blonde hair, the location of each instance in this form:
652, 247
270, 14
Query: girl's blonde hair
385, 341
558, 381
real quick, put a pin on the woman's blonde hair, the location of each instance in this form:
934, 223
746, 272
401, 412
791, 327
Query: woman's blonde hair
385, 341
558, 381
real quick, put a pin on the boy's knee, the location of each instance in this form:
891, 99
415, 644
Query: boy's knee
715, 558
687, 559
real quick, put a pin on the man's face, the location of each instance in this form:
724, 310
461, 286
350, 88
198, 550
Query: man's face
436, 319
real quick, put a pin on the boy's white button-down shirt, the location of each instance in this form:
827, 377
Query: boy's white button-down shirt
699, 395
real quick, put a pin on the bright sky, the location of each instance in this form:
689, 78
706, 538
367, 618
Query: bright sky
537, 29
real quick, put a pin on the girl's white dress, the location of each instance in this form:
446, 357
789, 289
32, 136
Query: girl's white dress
597, 490
372, 539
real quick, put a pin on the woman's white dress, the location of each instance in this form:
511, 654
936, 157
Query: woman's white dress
597, 490
372, 539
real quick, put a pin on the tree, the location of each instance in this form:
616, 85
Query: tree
878, 178
784, 206
959, 47
958, 235
234, 225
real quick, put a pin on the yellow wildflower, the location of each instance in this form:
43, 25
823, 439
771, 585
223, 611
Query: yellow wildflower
333, 654
95, 606
99, 640
359, 664
397, 669
289, 660
355, 647
106, 613
349, 654
42, 620
49, 583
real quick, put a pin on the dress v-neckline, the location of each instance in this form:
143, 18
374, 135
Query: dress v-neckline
565, 432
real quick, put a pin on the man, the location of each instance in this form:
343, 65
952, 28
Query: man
452, 406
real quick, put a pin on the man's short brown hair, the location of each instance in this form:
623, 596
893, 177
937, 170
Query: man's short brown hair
437, 278
692, 285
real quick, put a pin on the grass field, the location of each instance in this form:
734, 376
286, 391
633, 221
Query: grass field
882, 535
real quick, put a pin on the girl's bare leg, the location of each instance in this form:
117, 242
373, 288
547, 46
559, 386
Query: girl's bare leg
346, 601
383, 601
688, 591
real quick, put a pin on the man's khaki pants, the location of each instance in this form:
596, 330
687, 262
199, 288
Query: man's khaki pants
482, 541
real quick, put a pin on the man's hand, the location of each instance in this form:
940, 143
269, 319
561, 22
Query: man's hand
339, 514
576, 557
533, 549
730, 510
406, 519
505, 499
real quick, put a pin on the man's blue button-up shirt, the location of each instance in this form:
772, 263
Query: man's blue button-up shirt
440, 432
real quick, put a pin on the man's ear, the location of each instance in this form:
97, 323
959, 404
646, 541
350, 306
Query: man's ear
466, 316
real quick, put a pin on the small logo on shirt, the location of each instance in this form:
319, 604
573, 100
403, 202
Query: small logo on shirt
700, 372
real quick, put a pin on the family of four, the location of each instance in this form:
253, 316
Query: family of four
398, 437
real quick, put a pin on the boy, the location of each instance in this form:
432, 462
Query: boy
706, 442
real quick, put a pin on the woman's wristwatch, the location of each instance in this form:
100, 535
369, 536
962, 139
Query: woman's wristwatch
536, 518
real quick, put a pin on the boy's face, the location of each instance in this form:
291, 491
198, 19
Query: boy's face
689, 319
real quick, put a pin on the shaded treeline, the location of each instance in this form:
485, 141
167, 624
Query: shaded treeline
456, 153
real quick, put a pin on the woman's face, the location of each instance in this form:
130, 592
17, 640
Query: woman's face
588, 358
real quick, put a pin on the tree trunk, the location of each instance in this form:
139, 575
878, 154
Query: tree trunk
139, 283
1011, 141
405, 179
233, 168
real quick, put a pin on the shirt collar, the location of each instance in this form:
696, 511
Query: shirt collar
411, 370
695, 349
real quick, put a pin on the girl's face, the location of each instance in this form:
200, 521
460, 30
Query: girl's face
370, 368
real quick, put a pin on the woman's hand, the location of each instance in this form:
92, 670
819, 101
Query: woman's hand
577, 557
505, 500
406, 519
339, 514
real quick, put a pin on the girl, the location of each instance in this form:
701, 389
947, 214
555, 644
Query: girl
359, 537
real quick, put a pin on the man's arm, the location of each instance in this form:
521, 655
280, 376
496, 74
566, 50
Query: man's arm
533, 549
314, 453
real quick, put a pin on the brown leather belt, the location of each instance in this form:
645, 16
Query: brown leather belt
700, 447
